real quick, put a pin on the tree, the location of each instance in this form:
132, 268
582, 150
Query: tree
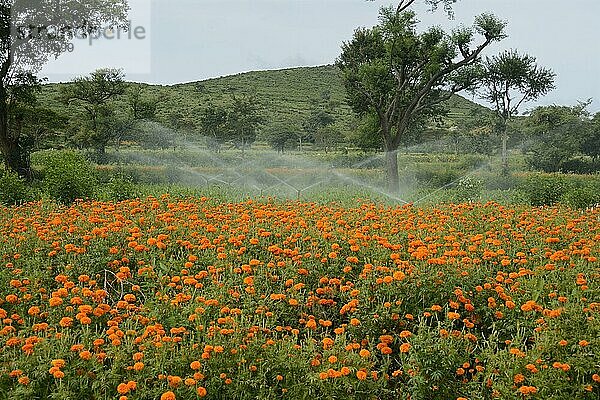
434, 4
557, 133
28, 122
510, 80
141, 105
138, 123
280, 135
213, 122
243, 121
317, 120
36, 127
32, 31
94, 94
401, 76
590, 146
327, 137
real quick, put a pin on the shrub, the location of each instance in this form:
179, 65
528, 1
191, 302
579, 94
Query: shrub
544, 189
120, 187
468, 189
13, 189
584, 196
69, 176
502, 182
581, 166
437, 175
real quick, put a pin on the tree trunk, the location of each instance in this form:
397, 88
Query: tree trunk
393, 179
101, 157
504, 153
16, 159
391, 154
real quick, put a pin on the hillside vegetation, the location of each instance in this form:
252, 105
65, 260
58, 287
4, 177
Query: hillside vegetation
286, 96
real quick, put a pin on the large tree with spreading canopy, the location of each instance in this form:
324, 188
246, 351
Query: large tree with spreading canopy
400, 75
31, 32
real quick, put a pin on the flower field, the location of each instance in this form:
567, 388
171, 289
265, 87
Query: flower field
171, 299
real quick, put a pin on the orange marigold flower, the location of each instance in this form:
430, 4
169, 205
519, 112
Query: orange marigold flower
195, 365
453, 315
123, 388
174, 381
58, 374
24, 380
189, 382
405, 347
527, 390
168, 396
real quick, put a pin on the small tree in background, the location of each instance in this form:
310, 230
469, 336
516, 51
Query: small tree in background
591, 143
314, 126
508, 81
281, 135
243, 121
28, 122
213, 122
558, 133
94, 94
139, 121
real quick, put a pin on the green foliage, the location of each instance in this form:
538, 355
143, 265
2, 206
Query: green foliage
509, 80
591, 143
559, 133
282, 136
213, 123
288, 96
152, 135
584, 196
68, 176
13, 189
437, 175
237, 124
119, 187
468, 189
544, 189
94, 97
243, 120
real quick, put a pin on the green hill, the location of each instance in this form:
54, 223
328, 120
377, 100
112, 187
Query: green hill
287, 97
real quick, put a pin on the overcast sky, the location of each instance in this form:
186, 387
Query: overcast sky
190, 40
